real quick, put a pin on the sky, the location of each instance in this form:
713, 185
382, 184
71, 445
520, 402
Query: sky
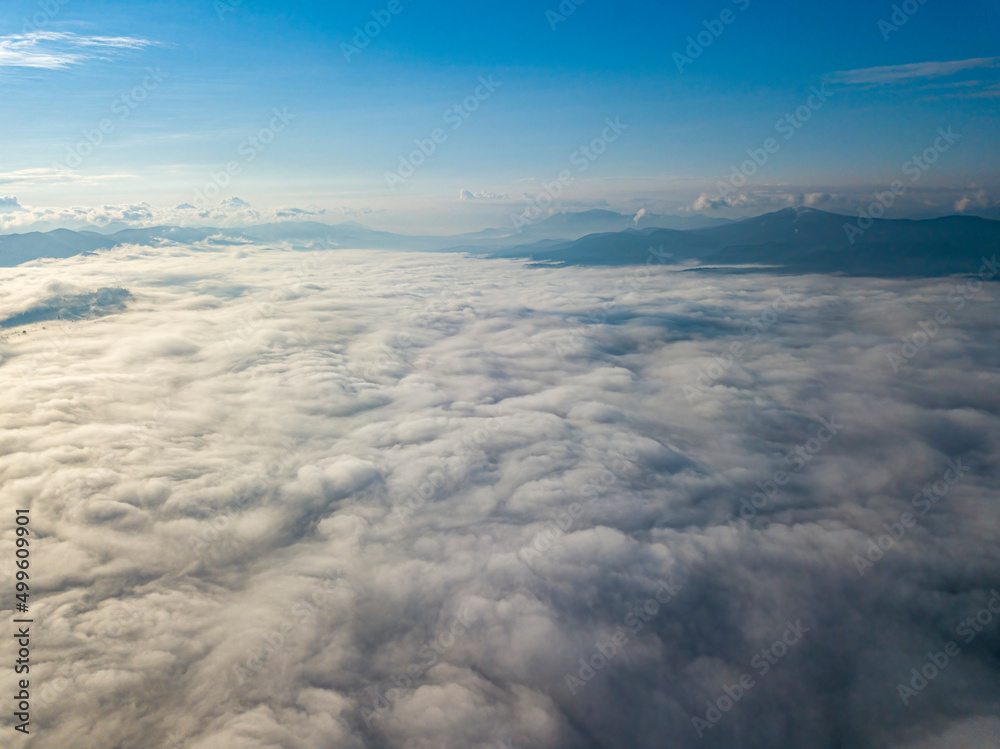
187, 89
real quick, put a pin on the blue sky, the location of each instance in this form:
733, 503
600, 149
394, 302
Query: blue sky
224, 69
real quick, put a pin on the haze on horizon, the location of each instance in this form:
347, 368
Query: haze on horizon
299, 112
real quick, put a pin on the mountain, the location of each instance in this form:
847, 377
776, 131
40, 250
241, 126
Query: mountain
596, 221
629, 247
796, 240
791, 240
574, 225
60, 243
104, 301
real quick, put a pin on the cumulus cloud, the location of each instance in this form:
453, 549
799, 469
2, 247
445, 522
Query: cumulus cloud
814, 199
362, 499
9, 204
978, 200
764, 200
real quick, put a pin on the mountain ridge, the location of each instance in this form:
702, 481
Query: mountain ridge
792, 239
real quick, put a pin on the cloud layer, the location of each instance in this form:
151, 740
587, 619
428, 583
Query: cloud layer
17, 219
298, 499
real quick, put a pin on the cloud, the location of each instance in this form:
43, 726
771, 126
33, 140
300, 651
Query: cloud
925, 202
818, 198
979, 201
888, 74
9, 204
467, 195
299, 212
284, 500
59, 50
233, 203
231, 212
764, 200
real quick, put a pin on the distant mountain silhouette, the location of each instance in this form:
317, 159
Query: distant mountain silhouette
795, 240
594, 221
60, 243
791, 240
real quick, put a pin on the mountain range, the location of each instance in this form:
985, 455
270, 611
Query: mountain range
795, 240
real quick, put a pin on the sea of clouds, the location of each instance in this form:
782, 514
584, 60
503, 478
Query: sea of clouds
308, 499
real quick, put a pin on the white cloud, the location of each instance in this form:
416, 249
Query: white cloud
230, 212
918, 203
761, 200
57, 50
922, 70
467, 195
9, 204
215, 479
980, 200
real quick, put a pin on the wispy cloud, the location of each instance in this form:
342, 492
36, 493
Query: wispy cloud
46, 176
901, 73
52, 50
